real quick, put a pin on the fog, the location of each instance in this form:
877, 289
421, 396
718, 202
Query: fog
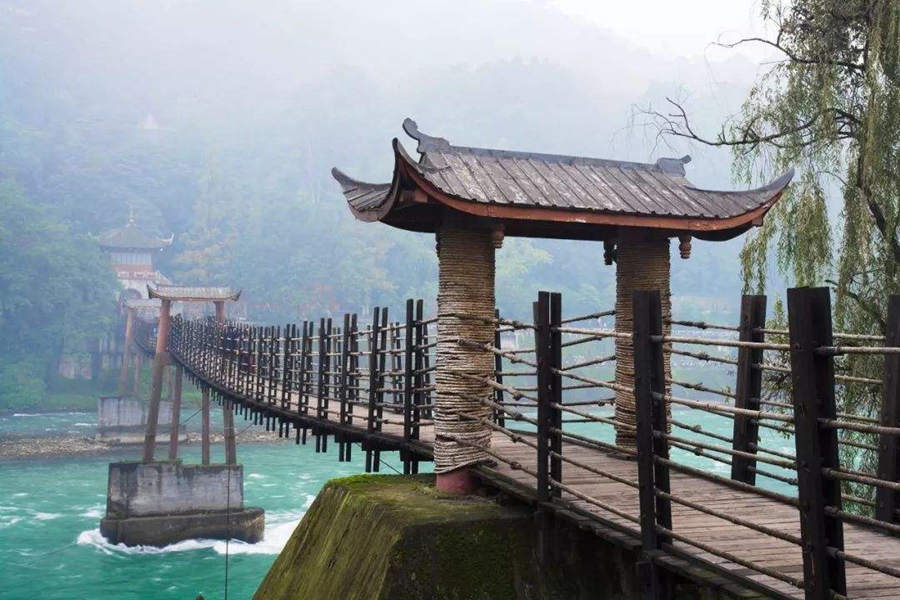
220, 121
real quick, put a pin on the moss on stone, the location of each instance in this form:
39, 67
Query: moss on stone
396, 537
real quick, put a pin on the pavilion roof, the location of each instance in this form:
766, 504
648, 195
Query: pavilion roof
133, 237
192, 294
551, 195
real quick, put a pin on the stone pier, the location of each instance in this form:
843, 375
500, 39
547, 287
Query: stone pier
160, 503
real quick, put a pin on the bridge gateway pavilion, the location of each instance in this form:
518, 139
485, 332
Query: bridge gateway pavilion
471, 198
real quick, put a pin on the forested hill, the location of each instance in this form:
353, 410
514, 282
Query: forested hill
219, 122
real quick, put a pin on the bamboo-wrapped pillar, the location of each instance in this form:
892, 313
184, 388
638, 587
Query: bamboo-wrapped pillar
465, 312
642, 264
160, 360
126, 350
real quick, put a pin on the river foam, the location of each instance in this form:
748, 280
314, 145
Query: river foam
279, 527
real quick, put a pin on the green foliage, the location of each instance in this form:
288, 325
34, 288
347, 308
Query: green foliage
56, 292
831, 109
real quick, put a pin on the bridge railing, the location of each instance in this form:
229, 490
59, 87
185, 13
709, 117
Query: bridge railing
761, 426
361, 376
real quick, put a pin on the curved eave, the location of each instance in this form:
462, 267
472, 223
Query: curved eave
184, 294
375, 202
771, 192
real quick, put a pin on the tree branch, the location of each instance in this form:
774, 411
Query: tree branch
793, 57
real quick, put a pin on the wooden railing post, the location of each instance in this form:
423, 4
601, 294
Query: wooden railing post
343, 445
887, 501
555, 413
304, 373
421, 379
812, 376
408, 362
748, 387
373, 379
541, 310
653, 477
499, 415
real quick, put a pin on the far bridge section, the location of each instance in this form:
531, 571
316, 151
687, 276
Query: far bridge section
156, 502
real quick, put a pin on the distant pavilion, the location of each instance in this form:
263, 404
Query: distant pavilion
471, 198
131, 250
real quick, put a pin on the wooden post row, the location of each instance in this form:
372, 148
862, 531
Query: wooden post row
812, 378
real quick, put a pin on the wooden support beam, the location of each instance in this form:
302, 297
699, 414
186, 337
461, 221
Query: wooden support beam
812, 376
748, 388
175, 419
160, 360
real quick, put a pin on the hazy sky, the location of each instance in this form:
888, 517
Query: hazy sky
678, 28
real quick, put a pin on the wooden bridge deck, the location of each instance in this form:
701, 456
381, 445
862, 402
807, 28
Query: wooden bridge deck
744, 543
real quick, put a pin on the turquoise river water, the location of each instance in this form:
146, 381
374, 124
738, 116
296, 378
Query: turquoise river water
51, 548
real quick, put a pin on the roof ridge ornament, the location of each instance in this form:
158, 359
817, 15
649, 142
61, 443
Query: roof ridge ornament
674, 166
426, 142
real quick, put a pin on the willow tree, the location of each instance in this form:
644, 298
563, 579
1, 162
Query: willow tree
830, 108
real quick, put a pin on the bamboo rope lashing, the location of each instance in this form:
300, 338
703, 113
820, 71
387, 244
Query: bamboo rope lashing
699, 429
465, 287
514, 464
589, 363
704, 356
591, 417
700, 388
700, 452
756, 414
837, 377
594, 333
591, 500
773, 573
860, 478
864, 562
640, 265
837, 350
770, 531
491, 320
704, 325
488, 347
784, 464
859, 427
591, 380
862, 520
513, 414
597, 315
516, 393
727, 482
675, 339
586, 441
837, 335
594, 470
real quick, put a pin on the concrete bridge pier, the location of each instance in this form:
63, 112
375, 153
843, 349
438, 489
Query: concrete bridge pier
157, 503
